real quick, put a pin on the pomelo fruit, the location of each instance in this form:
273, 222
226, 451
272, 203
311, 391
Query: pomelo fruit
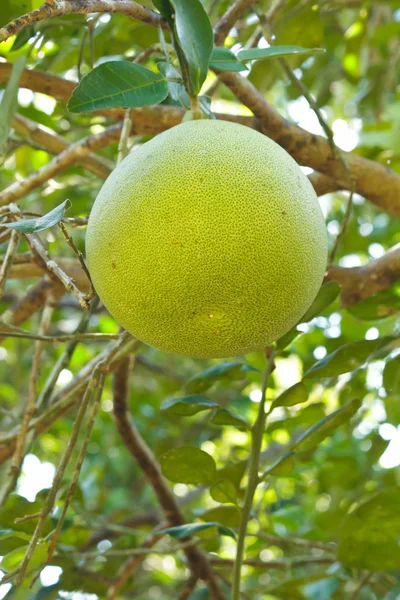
207, 241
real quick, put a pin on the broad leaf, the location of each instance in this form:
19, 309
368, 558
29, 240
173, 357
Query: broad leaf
188, 465
326, 295
116, 84
226, 417
324, 428
8, 104
204, 380
227, 515
346, 358
23, 37
223, 59
296, 394
257, 53
374, 525
190, 529
188, 405
40, 223
391, 376
205, 103
194, 32
224, 491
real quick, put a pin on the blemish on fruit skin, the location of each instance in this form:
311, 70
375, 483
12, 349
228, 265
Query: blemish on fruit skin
114, 266
210, 316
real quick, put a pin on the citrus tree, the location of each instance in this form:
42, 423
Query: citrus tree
263, 470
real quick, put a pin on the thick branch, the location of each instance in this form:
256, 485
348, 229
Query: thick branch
55, 144
67, 158
373, 181
359, 283
67, 7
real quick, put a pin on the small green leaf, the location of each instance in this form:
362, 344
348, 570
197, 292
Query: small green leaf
165, 8
194, 32
257, 53
223, 59
41, 223
204, 380
188, 405
346, 358
8, 104
282, 467
296, 394
175, 82
190, 529
188, 465
326, 295
324, 428
224, 491
205, 103
391, 376
115, 84
11, 539
374, 525
226, 417
233, 472
227, 515
23, 37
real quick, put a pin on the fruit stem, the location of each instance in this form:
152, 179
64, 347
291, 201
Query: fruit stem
257, 433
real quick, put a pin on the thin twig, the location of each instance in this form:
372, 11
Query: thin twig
189, 587
57, 8
343, 228
24, 438
134, 442
9, 258
123, 140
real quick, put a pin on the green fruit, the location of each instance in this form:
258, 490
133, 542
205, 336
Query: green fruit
207, 241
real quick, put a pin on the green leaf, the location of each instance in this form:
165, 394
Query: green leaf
391, 376
11, 539
227, 515
226, 417
205, 103
188, 465
188, 405
326, 295
23, 37
175, 82
282, 467
165, 8
190, 529
324, 428
346, 358
116, 84
195, 36
204, 380
378, 306
14, 558
374, 525
234, 473
223, 59
8, 104
224, 491
296, 394
257, 53
40, 223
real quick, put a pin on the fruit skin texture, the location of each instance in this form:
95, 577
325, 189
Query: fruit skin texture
207, 241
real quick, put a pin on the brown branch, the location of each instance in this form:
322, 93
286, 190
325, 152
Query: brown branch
359, 283
188, 588
229, 19
55, 144
323, 184
68, 7
9, 258
143, 456
372, 180
64, 160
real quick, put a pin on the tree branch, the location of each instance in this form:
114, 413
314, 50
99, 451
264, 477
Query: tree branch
55, 144
143, 456
229, 19
67, 7
372, 180
359, 283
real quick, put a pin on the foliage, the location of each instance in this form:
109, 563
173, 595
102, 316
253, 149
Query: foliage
324, 523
